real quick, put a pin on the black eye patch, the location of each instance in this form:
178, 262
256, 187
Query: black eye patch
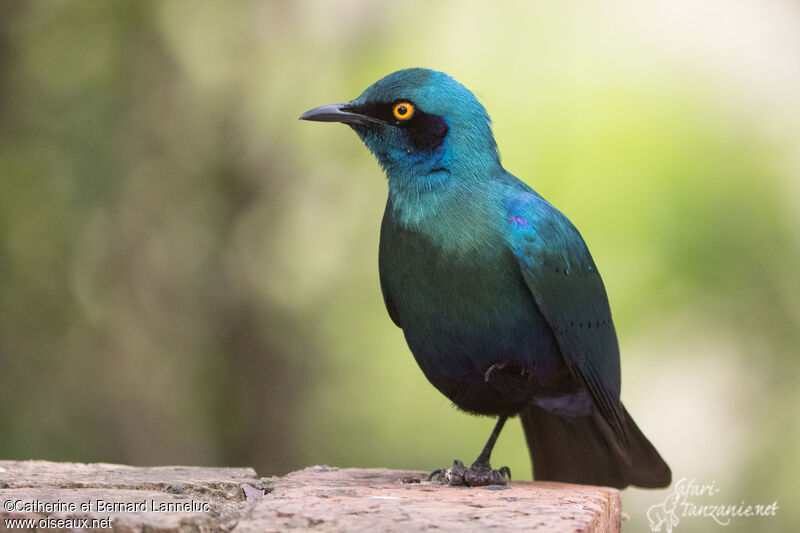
426, 131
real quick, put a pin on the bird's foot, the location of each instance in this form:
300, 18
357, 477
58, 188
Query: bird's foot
478, 475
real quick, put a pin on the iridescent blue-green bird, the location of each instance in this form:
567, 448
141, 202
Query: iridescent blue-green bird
494, 288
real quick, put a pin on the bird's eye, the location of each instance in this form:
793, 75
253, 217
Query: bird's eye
403, 110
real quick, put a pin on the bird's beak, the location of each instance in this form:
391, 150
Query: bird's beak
338, 113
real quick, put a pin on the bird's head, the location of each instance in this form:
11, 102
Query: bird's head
422, 125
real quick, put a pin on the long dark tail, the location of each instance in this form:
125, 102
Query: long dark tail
586, 450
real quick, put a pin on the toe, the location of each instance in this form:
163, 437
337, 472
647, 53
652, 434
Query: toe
438, 473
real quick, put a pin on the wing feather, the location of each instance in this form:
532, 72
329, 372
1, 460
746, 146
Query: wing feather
568, 290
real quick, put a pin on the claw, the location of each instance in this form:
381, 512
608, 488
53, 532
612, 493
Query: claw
496, 366
478, 475
438, 472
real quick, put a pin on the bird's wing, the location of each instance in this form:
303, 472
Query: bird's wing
387, 300
564, 282
387, 297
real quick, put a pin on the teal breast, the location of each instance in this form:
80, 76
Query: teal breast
464, 307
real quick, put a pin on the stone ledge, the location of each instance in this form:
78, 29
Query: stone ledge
318, 498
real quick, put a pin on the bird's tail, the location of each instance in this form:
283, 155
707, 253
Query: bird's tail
586, 450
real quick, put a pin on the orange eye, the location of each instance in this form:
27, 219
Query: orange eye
403, 110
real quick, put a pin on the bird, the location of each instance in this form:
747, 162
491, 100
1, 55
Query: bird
496, 293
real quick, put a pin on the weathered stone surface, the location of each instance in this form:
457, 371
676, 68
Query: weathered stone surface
316, 498
223, 483
152, 499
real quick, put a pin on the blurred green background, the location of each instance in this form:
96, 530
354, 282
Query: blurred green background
188, 274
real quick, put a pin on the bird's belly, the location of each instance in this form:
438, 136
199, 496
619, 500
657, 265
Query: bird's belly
462, 316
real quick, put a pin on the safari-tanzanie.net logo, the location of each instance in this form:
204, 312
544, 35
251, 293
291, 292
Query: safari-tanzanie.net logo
686, 502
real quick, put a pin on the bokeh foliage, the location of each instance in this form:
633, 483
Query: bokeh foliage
188, 274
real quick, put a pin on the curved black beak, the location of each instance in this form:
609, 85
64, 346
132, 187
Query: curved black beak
338, 113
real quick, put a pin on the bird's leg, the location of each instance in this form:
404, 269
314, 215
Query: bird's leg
486, 453
481, 472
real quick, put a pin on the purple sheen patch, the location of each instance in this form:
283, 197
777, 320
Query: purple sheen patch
519, 220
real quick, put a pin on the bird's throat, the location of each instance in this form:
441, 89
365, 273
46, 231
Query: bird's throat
415, 198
